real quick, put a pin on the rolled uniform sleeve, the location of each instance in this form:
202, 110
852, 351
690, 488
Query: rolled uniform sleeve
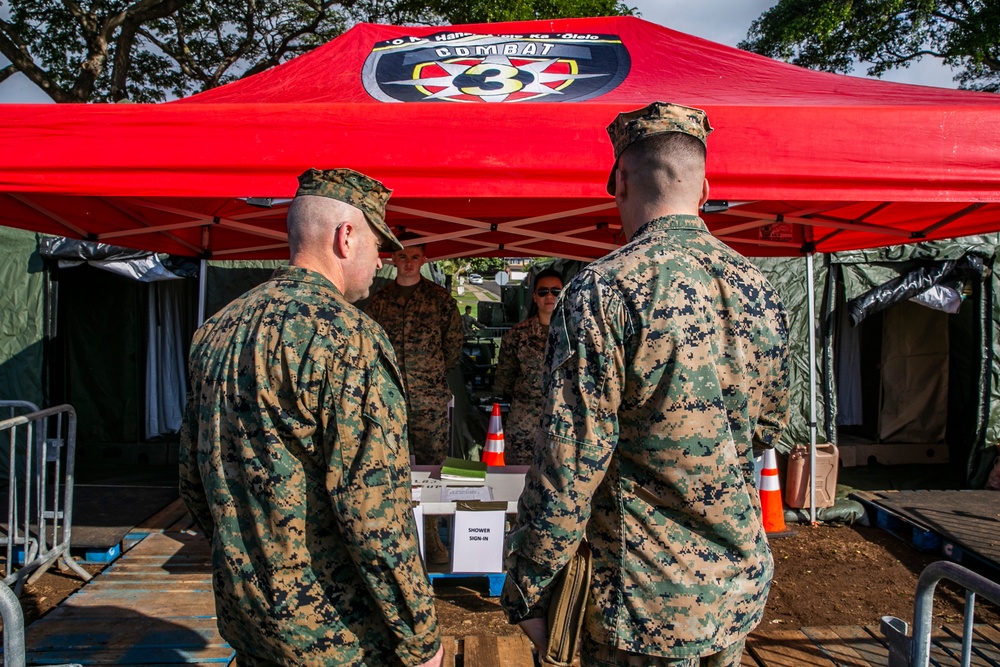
585, 362
368, 481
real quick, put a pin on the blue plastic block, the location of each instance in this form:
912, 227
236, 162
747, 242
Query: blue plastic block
952, 551
495, 579
926, 540
891, 524
885, 520
132, 539
98, 556
496, 584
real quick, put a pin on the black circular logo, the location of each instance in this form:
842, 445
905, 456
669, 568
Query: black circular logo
462, 67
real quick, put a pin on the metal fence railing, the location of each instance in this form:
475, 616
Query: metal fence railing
14, 653
41, 455
915, 651
13, 628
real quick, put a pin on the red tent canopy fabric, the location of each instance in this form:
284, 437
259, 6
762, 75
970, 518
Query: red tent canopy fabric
492, 138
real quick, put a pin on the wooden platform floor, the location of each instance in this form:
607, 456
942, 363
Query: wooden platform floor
104, 515
967, 519
854, 646
154, 607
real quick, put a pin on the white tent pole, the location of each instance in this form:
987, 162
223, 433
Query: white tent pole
812, 389
202, 283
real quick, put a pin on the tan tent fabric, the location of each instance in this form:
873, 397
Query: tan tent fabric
914, 375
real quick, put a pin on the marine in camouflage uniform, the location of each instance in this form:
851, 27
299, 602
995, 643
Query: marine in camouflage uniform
426, 332
520, 365
666, 363
294, 463
470, 326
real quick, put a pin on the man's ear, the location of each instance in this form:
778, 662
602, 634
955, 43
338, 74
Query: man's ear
704, 192
343, 236
621, 178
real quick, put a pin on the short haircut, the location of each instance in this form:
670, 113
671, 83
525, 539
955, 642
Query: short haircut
667, 165
547, 273
676, 144
310, 218
410, 236
468, 308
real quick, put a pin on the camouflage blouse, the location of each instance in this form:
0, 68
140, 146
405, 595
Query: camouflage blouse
518, 377
294, 462
426, 333
667, 359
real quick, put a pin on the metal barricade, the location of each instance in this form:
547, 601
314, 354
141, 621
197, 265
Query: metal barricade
13, 628
40, 497
19, 447
915, 651
14, 654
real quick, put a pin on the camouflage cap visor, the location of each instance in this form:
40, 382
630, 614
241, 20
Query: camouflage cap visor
352, 187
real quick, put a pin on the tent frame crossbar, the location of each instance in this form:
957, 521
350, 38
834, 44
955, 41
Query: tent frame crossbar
513, 227
944, 222
49, 214
823, 221
135, 216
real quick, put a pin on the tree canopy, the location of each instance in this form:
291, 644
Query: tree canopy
834, 35
151, 50
487, 266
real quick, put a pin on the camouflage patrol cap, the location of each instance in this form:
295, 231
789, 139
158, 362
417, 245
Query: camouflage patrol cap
657, 118
352, 187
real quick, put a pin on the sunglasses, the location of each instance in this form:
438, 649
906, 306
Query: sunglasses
545, 291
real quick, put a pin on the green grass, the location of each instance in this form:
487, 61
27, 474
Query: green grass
467, 299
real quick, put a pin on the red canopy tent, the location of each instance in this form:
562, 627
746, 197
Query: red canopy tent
492, 137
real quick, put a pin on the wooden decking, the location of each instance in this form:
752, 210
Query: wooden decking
154, 606
854, 646
483, 651
960, 525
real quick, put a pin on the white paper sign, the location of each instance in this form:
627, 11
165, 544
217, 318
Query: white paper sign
418, 516
478, 544
454, 494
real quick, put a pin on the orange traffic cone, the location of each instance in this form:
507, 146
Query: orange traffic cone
772, 513
493, 453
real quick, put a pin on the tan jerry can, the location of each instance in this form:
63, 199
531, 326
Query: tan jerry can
797, 478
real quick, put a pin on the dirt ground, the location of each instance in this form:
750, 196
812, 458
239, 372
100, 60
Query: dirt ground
53, 587
827, 575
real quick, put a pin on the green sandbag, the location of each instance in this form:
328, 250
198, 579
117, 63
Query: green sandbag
843, 511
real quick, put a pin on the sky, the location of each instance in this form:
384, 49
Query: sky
723, 21
727, 22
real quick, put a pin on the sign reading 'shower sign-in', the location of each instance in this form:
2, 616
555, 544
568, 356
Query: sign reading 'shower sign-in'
478, 541
463, 67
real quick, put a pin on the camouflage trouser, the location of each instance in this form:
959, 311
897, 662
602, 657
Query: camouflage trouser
593, 654
428, 432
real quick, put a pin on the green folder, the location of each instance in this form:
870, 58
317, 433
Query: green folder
463, 470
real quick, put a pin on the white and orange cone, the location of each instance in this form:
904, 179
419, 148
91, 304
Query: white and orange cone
493, 452
772, 512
